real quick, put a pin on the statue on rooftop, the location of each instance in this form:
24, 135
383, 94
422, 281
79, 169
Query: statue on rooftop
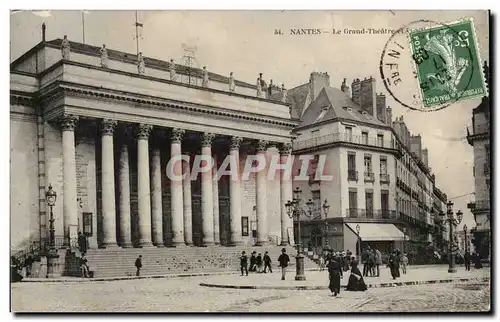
232, 85
205, 77
173, 77
284, 91
141, 65
259, 88
104, 56
65, 48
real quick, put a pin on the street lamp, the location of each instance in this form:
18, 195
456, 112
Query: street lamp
50, 197
466, 245
404, 239
452, 221
294, 210
358, 229
326, 208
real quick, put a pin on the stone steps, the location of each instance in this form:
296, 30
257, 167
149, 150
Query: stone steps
161, 261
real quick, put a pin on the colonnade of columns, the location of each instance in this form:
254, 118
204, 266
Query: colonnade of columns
149, 190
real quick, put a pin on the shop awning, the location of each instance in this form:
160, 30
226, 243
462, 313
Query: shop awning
377, 232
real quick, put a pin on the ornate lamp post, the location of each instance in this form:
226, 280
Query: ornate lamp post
358, 229
50, 197
326, 208
453, 222
404, 239
466, 244
294, 210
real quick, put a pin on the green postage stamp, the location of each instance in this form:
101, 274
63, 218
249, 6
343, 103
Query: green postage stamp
448, 65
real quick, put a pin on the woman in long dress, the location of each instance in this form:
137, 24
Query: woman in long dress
356, 282
335, 272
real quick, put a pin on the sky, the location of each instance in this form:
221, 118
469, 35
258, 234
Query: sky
244, 42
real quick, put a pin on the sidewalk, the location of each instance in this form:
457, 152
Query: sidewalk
319, 280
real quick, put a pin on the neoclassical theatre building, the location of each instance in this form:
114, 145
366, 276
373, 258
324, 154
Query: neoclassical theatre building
99, 126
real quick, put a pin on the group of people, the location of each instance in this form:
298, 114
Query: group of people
474, 258
335, 263
260, 264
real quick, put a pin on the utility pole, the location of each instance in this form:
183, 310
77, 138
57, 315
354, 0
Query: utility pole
189, 60
137, 26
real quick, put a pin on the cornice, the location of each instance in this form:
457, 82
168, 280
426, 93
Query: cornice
21, 98
348, 145
61, 88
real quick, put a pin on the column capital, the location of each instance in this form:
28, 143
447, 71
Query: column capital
285, 148
68, 122
262, 146
207, 139
143, 131
236, 142
177, 135
108, 127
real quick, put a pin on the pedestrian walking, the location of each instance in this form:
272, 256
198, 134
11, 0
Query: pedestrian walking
258, 263
244, 263
138, 265
477, 261
467, 260
371, 262
378, 261
335, 274
84, 268
321, 263
404, 263
267, 262
356, 282
283, 260
28, 263
14, 270
82, 243
394, 264
364, 260
253, 259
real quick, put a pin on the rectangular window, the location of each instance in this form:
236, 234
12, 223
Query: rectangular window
380, 140
383, 166
348, 131
351, 162
364, 138
244, 226
353, 199
369, 204
384, 200
368, 164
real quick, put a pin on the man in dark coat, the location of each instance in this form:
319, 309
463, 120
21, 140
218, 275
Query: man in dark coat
28, 263
14, 270
394, 264
283, 260
267, 262
253, 260
364, 260
335, 274
82, 242
371, 262
244, 263
258, 263
138, 265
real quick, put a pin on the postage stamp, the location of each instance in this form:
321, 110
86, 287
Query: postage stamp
447, 63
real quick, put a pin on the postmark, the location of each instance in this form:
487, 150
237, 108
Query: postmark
405, 65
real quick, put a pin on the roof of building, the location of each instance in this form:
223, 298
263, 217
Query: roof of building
132, 58
332, 103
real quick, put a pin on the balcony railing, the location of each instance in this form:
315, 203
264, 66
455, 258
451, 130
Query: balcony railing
385, 178
481, 205
369, 177
352, 175
371, 214
478, 129
342, 137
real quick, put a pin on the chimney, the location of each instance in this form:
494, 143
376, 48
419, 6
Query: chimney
317, 82
381, 108
368, 96
388, 115
43, 31
344, 88
356, 91
416, 145
425, 156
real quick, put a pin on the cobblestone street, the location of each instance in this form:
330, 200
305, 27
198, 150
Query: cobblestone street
185, 295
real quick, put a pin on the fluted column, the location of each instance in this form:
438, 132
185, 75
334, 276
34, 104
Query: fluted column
156, 199
176, 189
235, 191
143, 188
286, 193
207, 207
261, 198
188, 211
124, 201
70, 215
215, 193
108, 183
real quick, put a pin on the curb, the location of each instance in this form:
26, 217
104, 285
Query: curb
315, 288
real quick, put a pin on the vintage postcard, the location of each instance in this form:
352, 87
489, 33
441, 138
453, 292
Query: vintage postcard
250, 161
